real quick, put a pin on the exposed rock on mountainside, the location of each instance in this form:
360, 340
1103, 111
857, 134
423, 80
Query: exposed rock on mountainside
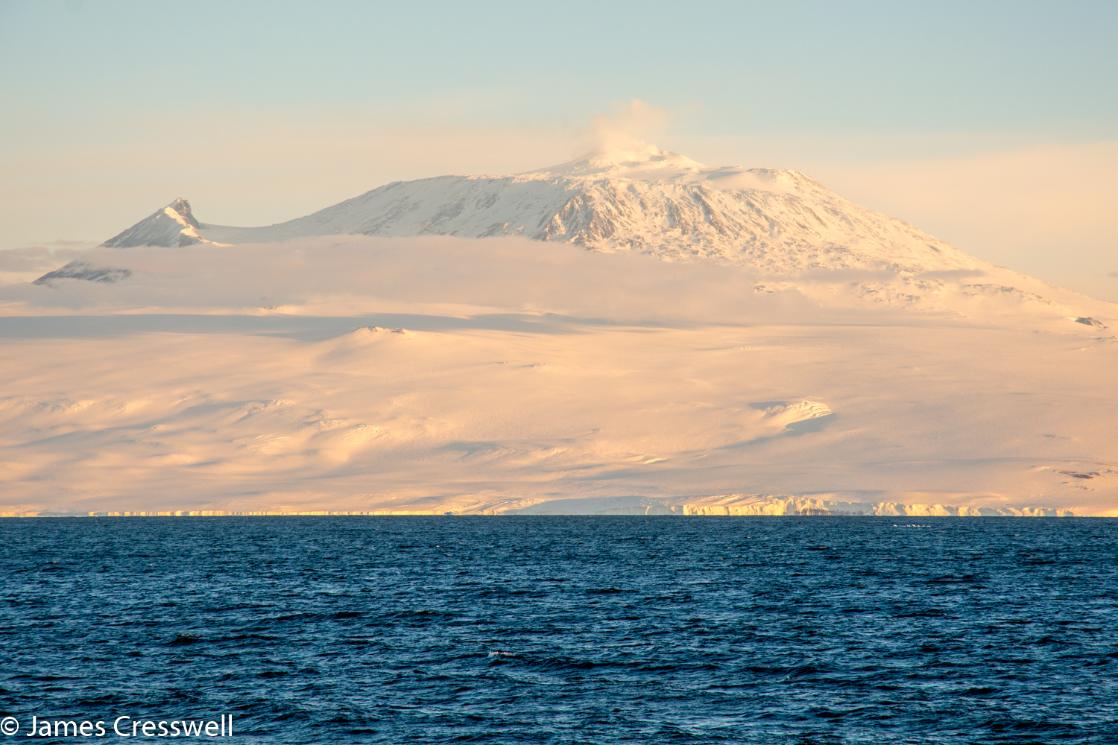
174, 225
85, 271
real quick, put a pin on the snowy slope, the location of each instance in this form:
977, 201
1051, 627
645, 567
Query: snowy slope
174, 225
791, 231
505, 375
736, 342
643, 199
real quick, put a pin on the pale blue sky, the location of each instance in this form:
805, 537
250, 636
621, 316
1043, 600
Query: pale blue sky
111, 102
1034, 67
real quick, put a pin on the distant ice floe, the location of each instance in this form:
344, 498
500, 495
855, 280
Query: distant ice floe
759, 505
752, 504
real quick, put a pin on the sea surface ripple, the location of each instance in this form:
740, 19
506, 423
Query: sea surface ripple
569, 630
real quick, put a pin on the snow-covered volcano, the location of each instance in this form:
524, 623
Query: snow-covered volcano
793, 353
639, 198
791, 231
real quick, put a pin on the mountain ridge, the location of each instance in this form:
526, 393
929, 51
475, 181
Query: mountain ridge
780, 224
171, 226
640, 198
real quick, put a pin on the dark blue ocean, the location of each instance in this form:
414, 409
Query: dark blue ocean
567, 630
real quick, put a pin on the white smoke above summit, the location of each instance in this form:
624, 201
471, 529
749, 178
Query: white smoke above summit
627, 131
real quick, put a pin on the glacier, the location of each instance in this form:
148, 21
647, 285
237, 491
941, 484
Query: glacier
630, 332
